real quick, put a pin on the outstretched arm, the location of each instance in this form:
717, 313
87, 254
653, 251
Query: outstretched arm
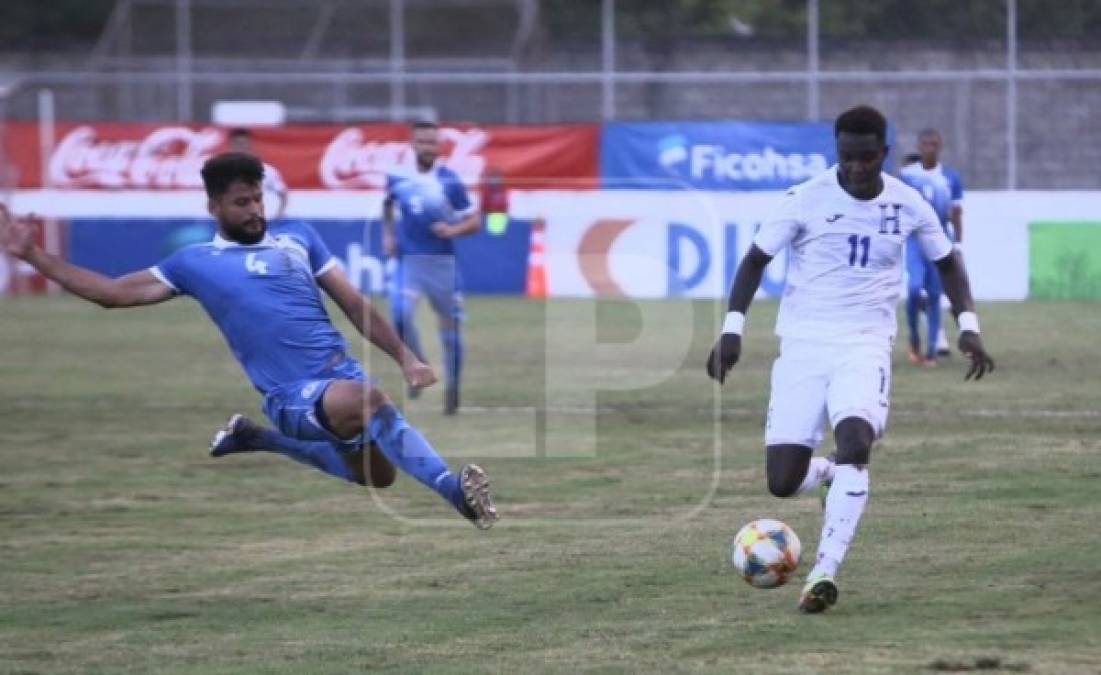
747, 280
953, 277
131, 290
374, 327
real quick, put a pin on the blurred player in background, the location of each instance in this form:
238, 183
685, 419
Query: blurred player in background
941, 186
262, 287
845, 229
923, 290
433, 208
274, 187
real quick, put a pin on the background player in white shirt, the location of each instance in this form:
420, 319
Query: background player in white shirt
846, 229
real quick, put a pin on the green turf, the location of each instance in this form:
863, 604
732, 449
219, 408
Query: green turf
124, 548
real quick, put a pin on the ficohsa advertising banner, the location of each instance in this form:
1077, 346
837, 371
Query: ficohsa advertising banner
718, 156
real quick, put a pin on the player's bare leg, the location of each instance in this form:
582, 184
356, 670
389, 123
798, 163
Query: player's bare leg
352, 408
792, 470
786, 466
378, 472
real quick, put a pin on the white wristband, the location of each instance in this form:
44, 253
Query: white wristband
734, 323
968, 321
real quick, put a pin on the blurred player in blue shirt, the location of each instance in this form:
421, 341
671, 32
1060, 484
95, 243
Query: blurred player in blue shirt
433, 208
262, 287
941, 186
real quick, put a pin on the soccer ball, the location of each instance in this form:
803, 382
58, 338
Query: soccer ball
766, 553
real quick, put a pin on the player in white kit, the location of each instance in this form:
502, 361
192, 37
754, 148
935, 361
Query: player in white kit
845, 228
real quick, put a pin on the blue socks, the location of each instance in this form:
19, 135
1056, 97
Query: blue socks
401, 445
913, 308
319, 454
452, 339
933, 291
405, 447
932, 315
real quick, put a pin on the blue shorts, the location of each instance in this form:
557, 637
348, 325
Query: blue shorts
436, 277
293, 407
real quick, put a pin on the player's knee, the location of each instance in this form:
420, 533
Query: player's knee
374, 399
854, 437
786, 467
342, 406
784, 486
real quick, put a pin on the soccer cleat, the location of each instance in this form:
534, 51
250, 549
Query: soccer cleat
819, 594
930, 362
915, 356
233, 437
474, 485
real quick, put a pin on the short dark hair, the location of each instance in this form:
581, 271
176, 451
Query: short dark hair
863, 119
221, 171
238, 132
424, 124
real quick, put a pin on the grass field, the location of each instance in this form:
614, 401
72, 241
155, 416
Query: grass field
124, 548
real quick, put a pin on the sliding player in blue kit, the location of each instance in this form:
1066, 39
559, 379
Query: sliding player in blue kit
434, 209
262, 288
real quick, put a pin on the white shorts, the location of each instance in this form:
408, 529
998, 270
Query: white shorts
815, 381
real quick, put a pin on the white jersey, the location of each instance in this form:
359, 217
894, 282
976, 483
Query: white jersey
846, 258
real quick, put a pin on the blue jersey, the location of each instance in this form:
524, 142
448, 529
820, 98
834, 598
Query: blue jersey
424, 199
941, 187
265, 300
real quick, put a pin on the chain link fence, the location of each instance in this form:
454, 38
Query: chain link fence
1013, 85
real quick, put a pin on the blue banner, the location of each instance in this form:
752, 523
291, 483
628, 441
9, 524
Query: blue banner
488, 263
714, 155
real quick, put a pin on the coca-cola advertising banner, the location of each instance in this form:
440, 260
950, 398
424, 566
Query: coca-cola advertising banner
147, 156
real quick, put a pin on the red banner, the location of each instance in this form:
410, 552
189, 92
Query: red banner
147, 156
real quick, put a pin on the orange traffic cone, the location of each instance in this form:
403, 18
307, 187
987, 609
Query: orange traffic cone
537, 263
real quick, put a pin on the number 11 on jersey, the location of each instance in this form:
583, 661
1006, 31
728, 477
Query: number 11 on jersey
863, 243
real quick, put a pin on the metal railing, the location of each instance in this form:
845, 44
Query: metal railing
988, 112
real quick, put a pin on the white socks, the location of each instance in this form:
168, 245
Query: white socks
821, 469
844, 505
